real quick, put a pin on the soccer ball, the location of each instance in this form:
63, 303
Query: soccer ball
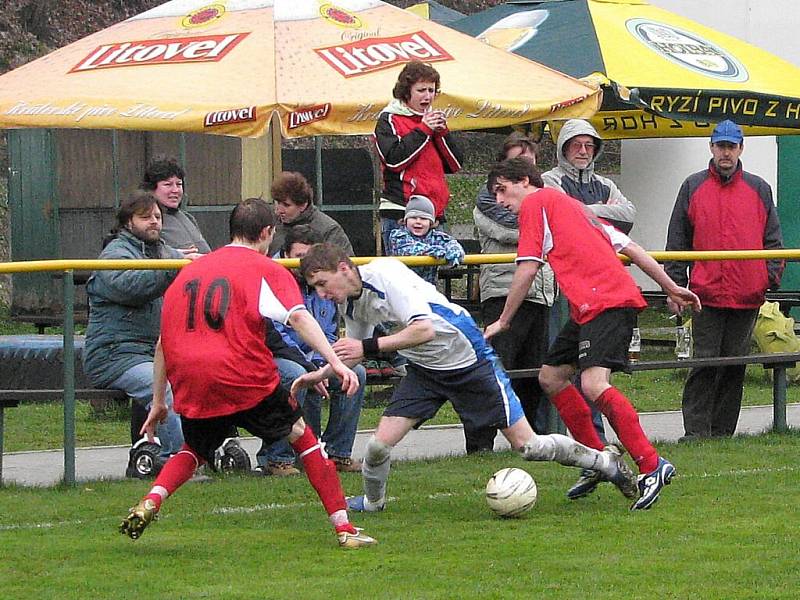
511, 492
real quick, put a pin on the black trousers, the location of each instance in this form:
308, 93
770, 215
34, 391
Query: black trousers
712, 396
523, 346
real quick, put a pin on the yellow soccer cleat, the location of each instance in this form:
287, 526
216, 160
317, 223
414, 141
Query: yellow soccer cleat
139, 517
359, 539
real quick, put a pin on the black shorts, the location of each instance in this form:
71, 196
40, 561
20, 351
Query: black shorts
602, 342
481, 395
271, 420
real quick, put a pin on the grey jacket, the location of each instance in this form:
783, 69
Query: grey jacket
498, 232
326, 228
179, 229
124, 310
599, 193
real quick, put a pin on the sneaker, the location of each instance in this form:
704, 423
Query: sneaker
345, 464
586, 484
359, 539
140, 516
624, 478
650, 484
359, 504
280, 469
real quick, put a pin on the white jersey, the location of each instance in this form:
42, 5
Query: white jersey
394, 293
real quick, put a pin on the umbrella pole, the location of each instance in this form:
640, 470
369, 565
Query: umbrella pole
318, 168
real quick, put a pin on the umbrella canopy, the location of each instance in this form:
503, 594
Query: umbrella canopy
684, 75
225, 68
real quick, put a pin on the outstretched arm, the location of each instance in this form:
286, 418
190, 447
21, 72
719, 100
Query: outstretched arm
312, 334
158, 409
520, 284
678, 297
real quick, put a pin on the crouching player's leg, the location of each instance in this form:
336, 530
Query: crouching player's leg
555, 447
177, 471
377, 462
322, 475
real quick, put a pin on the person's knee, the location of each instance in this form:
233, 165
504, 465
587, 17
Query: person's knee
377, 451
552, 380
593, 385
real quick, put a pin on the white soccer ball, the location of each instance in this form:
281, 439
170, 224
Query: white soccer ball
511, 492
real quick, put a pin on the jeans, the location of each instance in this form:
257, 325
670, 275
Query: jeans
137, 382
340, 432
281, 451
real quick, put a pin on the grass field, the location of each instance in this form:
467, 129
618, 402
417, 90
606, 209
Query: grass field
726, 528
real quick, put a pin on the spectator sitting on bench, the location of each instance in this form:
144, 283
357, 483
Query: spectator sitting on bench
418, 237
125, 313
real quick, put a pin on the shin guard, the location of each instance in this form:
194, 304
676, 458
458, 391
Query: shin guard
625, 421
320, 471
577, 416
178, 469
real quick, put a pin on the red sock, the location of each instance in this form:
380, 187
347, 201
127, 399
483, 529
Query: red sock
320, 471
577, 416
625, 421
178, 470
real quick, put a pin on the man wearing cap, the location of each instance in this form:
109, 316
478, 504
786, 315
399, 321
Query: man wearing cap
418, 237
722, 208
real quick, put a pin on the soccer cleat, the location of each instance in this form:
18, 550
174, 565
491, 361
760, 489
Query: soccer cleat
650, 484
361, 504
624, 478
359, 539
586, 484
140, 516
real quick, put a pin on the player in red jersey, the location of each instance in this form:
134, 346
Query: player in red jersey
603, 300
213, 352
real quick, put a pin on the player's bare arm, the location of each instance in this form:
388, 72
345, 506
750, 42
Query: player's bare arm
158, 409
416, 333
678, 298
520, 284
308, 328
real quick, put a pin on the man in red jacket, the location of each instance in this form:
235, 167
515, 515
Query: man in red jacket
722, 208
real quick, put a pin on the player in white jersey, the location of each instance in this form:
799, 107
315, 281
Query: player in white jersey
448, 359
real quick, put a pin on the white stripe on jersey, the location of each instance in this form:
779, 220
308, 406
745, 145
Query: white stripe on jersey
394, 293
270, 307
618, 239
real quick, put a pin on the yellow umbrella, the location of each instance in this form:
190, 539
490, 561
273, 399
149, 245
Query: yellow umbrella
325, 68
665, 75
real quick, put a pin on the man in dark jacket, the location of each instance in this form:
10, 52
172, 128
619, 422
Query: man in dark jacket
723, 208
125, 311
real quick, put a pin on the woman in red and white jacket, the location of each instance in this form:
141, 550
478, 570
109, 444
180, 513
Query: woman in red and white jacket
415, 147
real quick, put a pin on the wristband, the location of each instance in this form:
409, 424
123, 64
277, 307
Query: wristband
370, 346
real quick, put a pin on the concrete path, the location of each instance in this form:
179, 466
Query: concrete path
46, 468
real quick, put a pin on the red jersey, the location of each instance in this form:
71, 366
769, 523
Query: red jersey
581, 252
213, 330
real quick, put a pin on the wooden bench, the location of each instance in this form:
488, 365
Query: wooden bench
12, 398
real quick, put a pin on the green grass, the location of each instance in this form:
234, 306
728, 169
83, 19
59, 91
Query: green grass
725, 529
